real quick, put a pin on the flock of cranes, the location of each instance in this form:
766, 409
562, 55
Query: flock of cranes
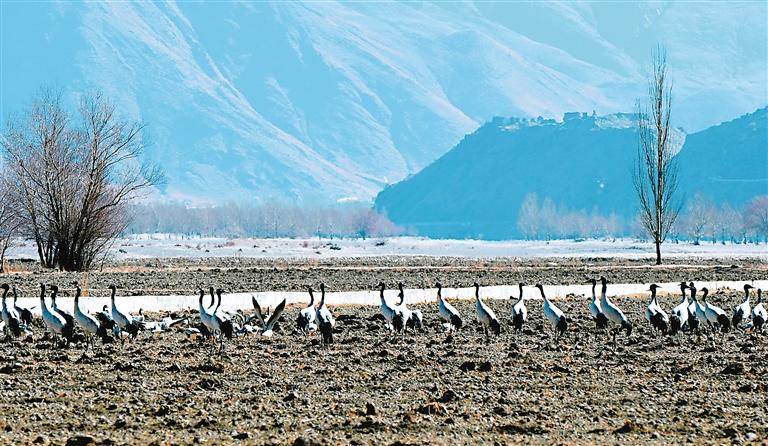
690, 315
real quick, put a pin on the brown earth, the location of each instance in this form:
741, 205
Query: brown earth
424, 388
182, 276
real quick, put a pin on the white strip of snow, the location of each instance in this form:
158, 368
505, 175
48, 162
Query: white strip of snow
151, 246
242, 301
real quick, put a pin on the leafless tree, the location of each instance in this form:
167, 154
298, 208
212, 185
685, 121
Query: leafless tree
9, 223
697, 218
75, 181
756, 217
528, 217
655, 173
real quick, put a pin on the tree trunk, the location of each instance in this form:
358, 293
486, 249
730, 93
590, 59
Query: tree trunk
3, 248
658, 252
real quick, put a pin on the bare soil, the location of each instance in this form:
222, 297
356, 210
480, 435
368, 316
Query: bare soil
370, 388
182, 276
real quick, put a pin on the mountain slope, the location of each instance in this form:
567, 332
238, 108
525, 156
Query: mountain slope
728, 162
583, 162
324, 101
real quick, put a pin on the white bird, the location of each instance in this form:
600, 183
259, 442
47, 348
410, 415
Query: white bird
387, 310
613, 312
743, 310
447, 311
655, 315
679, 317
402, 309
700, 317
307, 316
596, 310
485, 314
519, 311
25, 315
714, 314
413, 318
759, 315
9, 315
267, 328
221, 322
325, 318
166, 324
124, 321
88, 323
205, 317
53, 321
70, 320
554, 315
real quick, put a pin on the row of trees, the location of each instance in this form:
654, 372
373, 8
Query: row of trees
266, 220
703, 220
700, 220
69, 178
544, 220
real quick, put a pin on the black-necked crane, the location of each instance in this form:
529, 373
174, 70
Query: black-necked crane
449, 314
325, 319
387, 310
759, 315
654, 314
554, 315
205, 316
9, 315
613, 312
411, 318
742, 311
485, 314
519, 311
307, 316
88, 323
596, 310
267, 330
25, 315
679, 317
697, 318
70, 320
715, 315
125, 321
53, 321
221, 320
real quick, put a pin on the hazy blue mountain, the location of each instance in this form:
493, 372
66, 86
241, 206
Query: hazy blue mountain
326, 101
728, 162
583, 162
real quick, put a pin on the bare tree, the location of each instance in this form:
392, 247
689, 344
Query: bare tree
697, 218
655, 173
756, 217
9, 223
528, 217
74, 183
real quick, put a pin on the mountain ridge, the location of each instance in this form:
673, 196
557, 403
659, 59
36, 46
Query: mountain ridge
320, 102
583, 162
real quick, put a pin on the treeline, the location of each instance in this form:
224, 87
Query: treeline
269, 220
703, 220
544, 220
700, 220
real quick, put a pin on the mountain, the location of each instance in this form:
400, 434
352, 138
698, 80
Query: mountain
728, 163
582, 162
326, 101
